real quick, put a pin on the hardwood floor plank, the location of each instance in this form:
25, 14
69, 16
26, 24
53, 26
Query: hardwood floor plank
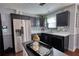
69, 53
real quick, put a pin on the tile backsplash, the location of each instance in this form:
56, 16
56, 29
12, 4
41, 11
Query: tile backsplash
44, 29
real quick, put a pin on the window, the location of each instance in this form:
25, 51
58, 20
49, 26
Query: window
51, 21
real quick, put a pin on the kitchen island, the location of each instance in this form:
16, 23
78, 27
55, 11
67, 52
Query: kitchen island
53, 51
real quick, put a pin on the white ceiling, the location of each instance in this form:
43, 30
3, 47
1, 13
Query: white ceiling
34, 8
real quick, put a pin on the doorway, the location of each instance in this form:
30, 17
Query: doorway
1, 38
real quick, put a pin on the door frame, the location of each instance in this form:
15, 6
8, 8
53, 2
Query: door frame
2, 44
16, 16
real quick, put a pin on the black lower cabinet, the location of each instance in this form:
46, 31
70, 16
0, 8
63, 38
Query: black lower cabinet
59, 42
45, 38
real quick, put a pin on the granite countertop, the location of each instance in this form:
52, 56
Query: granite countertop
55, 33
60, 33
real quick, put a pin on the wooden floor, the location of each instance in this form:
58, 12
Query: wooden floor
12, 54
69, 53
76, 53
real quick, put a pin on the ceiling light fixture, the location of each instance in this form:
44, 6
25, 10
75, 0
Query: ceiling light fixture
42, 4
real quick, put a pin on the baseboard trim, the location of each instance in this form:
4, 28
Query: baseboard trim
19, 52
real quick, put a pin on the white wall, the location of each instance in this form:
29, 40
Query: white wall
78, 28
71, 27
6, 21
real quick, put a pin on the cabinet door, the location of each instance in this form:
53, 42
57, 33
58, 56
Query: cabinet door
50, 42
47, 39
33, 21
59, 43
44, 38
42, 21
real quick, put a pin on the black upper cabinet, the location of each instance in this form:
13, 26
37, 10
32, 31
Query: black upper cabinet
38, 21
42, 21
35, 22
63, 18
